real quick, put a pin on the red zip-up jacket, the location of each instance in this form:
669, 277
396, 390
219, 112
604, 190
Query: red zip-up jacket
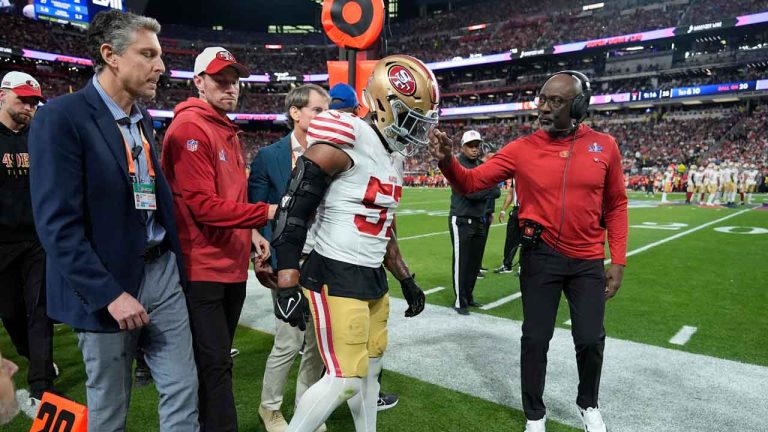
204, 165
591, 199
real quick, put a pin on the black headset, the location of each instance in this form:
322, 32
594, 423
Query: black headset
580, 103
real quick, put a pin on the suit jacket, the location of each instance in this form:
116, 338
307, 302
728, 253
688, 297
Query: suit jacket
270, 173
82, 201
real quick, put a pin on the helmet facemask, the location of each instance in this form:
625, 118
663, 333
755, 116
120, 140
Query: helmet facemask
410, 129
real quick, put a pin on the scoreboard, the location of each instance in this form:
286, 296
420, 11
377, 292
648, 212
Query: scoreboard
75, 12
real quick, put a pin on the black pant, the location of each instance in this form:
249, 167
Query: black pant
214, 310
23, 310
467, 237
512, 242
487, 221
545, 274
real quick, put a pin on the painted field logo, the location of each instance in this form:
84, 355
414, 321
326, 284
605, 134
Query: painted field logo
402, 79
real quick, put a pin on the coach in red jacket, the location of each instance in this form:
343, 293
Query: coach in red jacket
571, 189
203, 162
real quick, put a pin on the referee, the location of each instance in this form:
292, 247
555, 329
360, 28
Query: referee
468, 232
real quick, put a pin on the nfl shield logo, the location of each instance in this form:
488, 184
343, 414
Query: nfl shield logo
192, 145
594, 148
222, 156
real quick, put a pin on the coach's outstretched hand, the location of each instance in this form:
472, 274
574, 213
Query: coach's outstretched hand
413, 295
292, 307
440, 145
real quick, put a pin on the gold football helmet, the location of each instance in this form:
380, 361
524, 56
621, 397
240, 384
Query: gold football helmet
402, 96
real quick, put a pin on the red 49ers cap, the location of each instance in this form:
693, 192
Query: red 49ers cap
214, 59
23, 85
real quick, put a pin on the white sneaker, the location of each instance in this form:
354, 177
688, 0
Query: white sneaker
536, 425
27, 404
592, 419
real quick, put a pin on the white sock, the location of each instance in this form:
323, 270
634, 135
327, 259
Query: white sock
749, 198
711, 199
363, 404
321, 400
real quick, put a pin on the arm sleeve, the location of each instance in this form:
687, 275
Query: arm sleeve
615, 209
496, 169
57, 184
196, 177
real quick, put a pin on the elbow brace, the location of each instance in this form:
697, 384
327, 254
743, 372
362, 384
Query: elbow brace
305, 191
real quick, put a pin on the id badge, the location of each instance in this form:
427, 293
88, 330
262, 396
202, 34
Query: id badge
144, 196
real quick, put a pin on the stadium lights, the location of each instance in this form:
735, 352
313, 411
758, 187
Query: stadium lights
634, 48
593, 6
477, 27
273, 46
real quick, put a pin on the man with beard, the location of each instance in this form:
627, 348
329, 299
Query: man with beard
22, 259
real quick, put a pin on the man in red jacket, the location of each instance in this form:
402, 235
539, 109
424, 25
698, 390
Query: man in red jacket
203, 161
570, 188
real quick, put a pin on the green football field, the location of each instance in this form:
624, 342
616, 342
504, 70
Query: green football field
702, 268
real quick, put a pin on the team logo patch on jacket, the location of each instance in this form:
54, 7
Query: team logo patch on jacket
594, 148
192, 145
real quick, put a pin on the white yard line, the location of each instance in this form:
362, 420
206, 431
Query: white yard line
501, 301
433, 290
683, 336
682, 234
567, 323
437, 233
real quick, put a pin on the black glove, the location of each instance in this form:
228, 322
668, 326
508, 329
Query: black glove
413, 295
292, 307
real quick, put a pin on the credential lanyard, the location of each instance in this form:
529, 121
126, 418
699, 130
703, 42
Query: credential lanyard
132, 165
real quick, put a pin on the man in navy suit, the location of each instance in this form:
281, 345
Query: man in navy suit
270, 172
104, 214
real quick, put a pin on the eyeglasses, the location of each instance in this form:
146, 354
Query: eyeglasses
554, 102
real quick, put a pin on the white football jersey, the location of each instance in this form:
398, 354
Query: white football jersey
711, 176
725, 175
752, 177
668, 176
353, 222
698, 178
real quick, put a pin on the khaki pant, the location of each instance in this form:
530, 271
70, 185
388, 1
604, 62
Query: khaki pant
288, 342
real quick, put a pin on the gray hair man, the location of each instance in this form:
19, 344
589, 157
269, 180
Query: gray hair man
104, 214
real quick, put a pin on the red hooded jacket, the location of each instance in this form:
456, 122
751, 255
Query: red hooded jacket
574, 211
204, 165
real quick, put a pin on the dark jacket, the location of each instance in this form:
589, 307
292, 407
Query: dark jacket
471, 205
85, 215
270, 172
16, 223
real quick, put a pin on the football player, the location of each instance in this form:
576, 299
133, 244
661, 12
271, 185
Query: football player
751, 182
667, 185
711, 181
698, 180
351, 178
690, 184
